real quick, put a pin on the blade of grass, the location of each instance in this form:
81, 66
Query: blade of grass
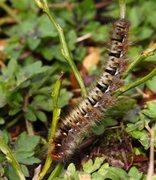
136, 83
56, 171
10, 157
9, 11
146, 53
55, 118
65, 50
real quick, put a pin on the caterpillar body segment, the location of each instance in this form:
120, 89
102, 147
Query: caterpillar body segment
73, 128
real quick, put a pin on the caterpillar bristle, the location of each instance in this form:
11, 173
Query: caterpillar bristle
73, 128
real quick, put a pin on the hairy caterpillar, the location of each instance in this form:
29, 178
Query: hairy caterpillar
73, 128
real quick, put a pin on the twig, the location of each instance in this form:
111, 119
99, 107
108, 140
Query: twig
7, 20
103, 4
13, 122
29, 125
56, 114
56, 171
36, 173
136, 83
122, 8
29, 128
151, 158
146, 53
65, 50
9, 11
10, 157
142, 93
84, 37
64, 4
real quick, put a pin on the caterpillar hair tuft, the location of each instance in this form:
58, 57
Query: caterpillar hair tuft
73, 128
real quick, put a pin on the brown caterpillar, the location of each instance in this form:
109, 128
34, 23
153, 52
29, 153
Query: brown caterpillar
74, 127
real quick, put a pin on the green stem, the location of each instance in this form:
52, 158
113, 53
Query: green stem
65, 50
55, 118
56, 171
122, 8
13, 122
146, 53
56, 109
6, 20
136, 83
46, 167
9, 11
10, 157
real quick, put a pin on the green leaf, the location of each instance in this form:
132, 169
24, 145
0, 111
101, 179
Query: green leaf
135, 19
71, 39
28, 160
47, 53
136, 126
2, 121
64, 98
2, 159
142, 136
42, 116
3, 99
135, 174
101, 34
86, 12
30, 114
103, 169
56, 52
96, 176
79, 53
33, 42
42, 102
23, 5
49, 31
71, 169
87, 167
151, 110
5, 136
25, 149
90, 167
29, 71
115, 173
14, 50
10, 69
11, 173
25, 171
26, 143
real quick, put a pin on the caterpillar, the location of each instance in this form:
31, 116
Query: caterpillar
74, 127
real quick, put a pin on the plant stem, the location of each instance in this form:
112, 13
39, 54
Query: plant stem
55, 118
65, 50
10, 157
9, 11
56, 109
146, 53
122, 8
29, 125
46, 167
13, 122
136, 83
150, 172
6, 20
56, 171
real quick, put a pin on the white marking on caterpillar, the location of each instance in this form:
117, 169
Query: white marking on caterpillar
74, 127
